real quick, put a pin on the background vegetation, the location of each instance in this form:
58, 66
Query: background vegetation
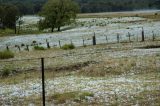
86, 6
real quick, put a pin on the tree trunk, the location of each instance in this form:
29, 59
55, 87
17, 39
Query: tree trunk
52, 29
15, 29
59, 29
19, 26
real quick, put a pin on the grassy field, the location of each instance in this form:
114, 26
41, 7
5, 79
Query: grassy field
146, 14
107, 74
112, 74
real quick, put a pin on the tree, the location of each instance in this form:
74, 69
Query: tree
9, 16
1, 16
58, 13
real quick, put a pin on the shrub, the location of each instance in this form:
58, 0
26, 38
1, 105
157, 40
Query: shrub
5, 72
68, 46
39, 48
6, 55
22, 45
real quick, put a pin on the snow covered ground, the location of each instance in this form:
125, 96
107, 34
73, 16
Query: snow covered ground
85, 29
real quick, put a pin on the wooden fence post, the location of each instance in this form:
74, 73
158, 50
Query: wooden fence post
83, 43
153, 37
48, 46
7, 47
107, 38
129, 36
118, 38
142, 34
94, 39
59, 43
27, 47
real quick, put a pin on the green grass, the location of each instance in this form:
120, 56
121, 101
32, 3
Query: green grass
6, 55
39, 48
68, 46
5, 32
7, 71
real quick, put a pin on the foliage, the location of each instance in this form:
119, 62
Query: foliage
6, 55
7, 71
9, 15
68, 46
58, 13
39, 48
86, 6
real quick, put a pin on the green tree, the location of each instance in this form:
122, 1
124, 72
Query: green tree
1, 16
9, 16
58, 13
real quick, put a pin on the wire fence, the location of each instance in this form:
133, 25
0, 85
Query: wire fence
71, 79
91, 40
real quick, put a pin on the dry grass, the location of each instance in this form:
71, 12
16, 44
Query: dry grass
142, 67
149, 15
122, 66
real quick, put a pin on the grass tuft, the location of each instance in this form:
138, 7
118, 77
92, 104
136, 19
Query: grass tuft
39, 48
68, 46
6, 55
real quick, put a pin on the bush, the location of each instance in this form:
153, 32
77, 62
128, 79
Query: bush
5, 72
6, 55
39, 48
68, 46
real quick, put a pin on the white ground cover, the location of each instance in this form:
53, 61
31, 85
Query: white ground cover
100, 87
102, 27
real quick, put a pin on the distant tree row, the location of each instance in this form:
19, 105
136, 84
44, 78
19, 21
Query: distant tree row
90, 6
26, 6
9, 14
87, 6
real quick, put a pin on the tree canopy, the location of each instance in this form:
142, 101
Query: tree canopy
9, 14
58, 13
87, 6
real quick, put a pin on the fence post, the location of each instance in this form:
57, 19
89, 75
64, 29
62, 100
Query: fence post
118, 38
83, 43
48, 46
94, 39
107, 38
43, 81
129, 35
7, 47
142, 34
59, 43
27, 47
19, 48
153, 38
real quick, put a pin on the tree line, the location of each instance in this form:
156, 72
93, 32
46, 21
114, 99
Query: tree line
88, 6
9, 14
92, 6
57, 13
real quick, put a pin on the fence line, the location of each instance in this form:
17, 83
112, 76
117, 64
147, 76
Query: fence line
92, 41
